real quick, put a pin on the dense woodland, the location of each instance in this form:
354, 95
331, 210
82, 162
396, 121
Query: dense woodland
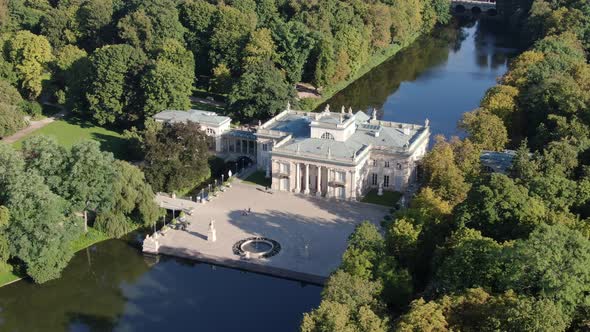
119, 62
116, 63
490, 252
48, 194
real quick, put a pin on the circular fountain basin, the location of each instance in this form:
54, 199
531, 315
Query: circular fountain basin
256, 247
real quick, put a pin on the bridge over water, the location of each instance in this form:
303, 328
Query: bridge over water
474, 7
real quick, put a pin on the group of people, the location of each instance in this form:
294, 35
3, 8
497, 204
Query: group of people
246, 212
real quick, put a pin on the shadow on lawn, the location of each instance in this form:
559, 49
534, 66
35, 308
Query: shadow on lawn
78, 121
116, 145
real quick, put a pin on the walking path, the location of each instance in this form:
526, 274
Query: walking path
33, 126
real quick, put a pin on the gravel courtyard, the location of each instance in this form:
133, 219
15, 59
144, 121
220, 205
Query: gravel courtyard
312, 232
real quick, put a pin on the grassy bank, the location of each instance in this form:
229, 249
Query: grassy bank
374, 61
86, 240
7, 276
71, 130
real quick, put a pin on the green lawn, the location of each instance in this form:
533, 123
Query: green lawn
389, 198
258, 178
7, 276
71, 130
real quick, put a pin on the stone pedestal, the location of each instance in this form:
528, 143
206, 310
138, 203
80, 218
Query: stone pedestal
151, 244
212, 235
380, 191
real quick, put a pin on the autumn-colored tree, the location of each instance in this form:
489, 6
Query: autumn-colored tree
485, 129
30, 54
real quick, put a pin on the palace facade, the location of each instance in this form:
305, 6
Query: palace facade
327, 154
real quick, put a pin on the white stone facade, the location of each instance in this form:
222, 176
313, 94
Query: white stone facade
358, 154
339, 155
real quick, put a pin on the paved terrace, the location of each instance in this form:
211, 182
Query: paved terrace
292, 220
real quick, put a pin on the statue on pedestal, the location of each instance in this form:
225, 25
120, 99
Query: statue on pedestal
380, 191
212, 233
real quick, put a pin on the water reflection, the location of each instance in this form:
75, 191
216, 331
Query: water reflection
112, 287
439, 77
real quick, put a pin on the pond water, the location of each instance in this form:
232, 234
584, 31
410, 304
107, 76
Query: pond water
438, 77
111, 286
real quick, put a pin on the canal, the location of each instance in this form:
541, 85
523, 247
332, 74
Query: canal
112, 287
438, 77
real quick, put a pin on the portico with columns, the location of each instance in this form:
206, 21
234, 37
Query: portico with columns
341, 155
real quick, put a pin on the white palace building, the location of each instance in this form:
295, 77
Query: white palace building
327, 154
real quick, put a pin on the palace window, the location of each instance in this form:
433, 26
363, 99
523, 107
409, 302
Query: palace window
264, 147
387, 164
339, 176
328, 136
386, 181
399, 166
374, 182
210, 132
284, 168
375, 163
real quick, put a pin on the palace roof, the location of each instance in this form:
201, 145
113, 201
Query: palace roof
387, 136
203, 117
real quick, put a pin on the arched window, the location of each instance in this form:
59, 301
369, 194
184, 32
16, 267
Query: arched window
327, 136
210, 132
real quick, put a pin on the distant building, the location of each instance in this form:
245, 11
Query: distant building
213, 125
328, 154
497, 162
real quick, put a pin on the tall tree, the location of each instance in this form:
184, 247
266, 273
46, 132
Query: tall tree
176, 157
133, 202
485, 129
501, 209
261, 92
95, 19
559, 272
90, 179
166, 86
151, 23
30, 54
112, 94
231, 29
294, 44
260, 48
43, 155
38, 234
11, 120
197, 17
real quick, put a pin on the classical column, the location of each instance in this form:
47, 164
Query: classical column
328, 187
319, 185
353, 185
298, 178
306, 191
293, 177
